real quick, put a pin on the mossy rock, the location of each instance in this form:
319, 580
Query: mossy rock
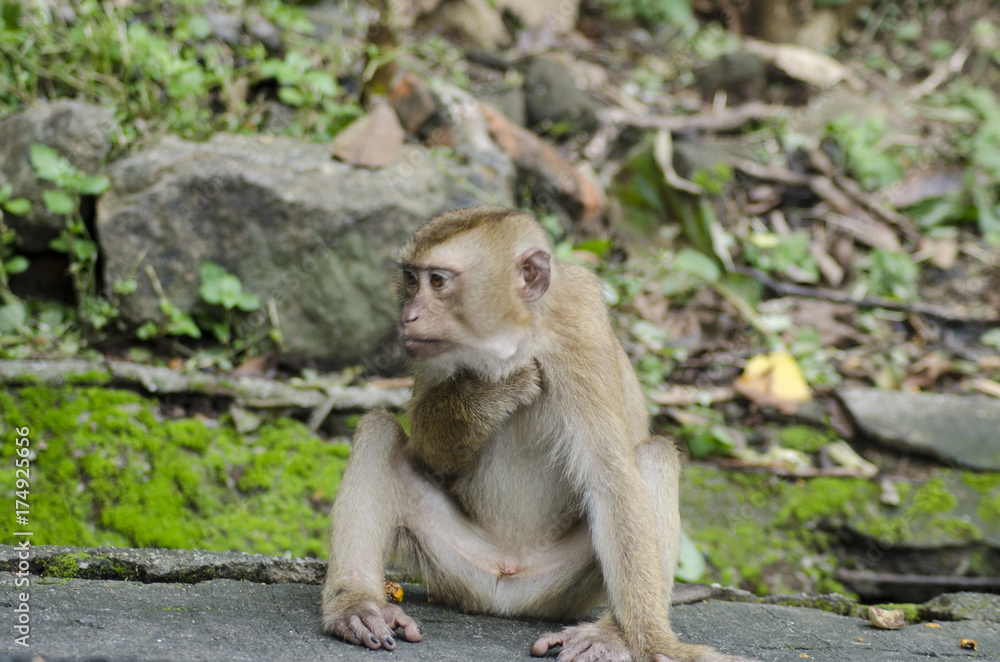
107, 469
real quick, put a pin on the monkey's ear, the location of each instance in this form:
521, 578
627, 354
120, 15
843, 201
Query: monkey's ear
533, 273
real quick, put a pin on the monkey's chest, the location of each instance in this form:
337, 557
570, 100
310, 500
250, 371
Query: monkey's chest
516, 496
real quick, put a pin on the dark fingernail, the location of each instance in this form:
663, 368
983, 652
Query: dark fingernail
373, 638
390, 640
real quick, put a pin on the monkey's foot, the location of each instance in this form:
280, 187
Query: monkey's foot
589, 642
368, 623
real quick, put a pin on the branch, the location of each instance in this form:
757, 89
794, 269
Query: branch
788, 289
254, 392
727, 120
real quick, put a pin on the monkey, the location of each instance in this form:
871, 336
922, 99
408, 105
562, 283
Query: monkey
529, 484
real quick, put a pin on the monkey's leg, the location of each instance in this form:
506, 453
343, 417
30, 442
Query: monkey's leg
366, 514
603, 640
660, 467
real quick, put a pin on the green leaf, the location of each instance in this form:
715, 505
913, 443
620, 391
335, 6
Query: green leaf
691, 564
18, 206
84, 250
13, 317
124, 286
58, 201
48, 163
248, 302
596, 246
210, 271
991, 338
697, 264
291, 96
59, 244
93, 185
5, 192
16, 265
200, 28
148, 330
321, 83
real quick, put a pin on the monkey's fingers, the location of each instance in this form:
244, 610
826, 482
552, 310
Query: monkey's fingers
397, 618
547, 641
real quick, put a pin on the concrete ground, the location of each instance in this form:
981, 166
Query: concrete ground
239, 619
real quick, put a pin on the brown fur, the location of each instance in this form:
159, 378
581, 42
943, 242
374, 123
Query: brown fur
556, 496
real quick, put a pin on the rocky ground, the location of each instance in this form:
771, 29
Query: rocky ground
263, 610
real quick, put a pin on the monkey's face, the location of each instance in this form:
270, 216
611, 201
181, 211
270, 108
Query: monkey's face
428, 323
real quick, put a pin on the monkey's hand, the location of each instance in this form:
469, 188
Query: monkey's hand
368, 620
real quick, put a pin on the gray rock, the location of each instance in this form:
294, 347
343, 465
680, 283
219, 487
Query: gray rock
552, 97
314, 235
246, 621
964, 606
79, 131
958, 429
163, 565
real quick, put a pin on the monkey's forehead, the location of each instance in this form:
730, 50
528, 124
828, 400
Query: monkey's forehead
497, 228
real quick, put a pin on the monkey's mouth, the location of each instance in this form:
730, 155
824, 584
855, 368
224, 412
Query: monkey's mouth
423, 348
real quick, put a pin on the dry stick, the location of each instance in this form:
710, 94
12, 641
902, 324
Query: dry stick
788, 289
246, 391
727, 120
822, 163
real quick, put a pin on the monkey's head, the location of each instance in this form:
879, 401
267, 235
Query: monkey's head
469, 284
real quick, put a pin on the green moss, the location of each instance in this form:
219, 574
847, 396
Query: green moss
804, 438
66, 566
827, 497
109, 471
989, 509
984, 483
933, 498
92, 377
955, 529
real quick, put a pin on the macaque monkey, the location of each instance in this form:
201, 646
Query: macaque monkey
529, 485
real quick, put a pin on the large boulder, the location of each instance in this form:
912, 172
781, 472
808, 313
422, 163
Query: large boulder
312, 234
79, 131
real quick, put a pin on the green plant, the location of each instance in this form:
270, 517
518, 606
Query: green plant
874, 163
890, 274
224, 290
787, 255
75, 240
10, 262
655, 12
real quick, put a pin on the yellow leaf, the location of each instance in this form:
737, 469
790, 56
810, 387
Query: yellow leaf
787, 381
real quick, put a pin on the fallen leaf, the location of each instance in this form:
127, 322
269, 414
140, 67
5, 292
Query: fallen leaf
801, 63
968, 643
987, 386
932, 625
886, 619
841, 454
890, 493
262, 365
924, 373
372, 141
860, 639
393, 591
803, 655
774, 379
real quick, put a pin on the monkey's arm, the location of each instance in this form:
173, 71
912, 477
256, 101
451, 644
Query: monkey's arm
450, 422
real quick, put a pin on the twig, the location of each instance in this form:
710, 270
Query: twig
246, 391
727, 120
919, 307
942, 72
822, 163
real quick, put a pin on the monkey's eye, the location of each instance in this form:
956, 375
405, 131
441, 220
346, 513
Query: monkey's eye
437, 281
410, 279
